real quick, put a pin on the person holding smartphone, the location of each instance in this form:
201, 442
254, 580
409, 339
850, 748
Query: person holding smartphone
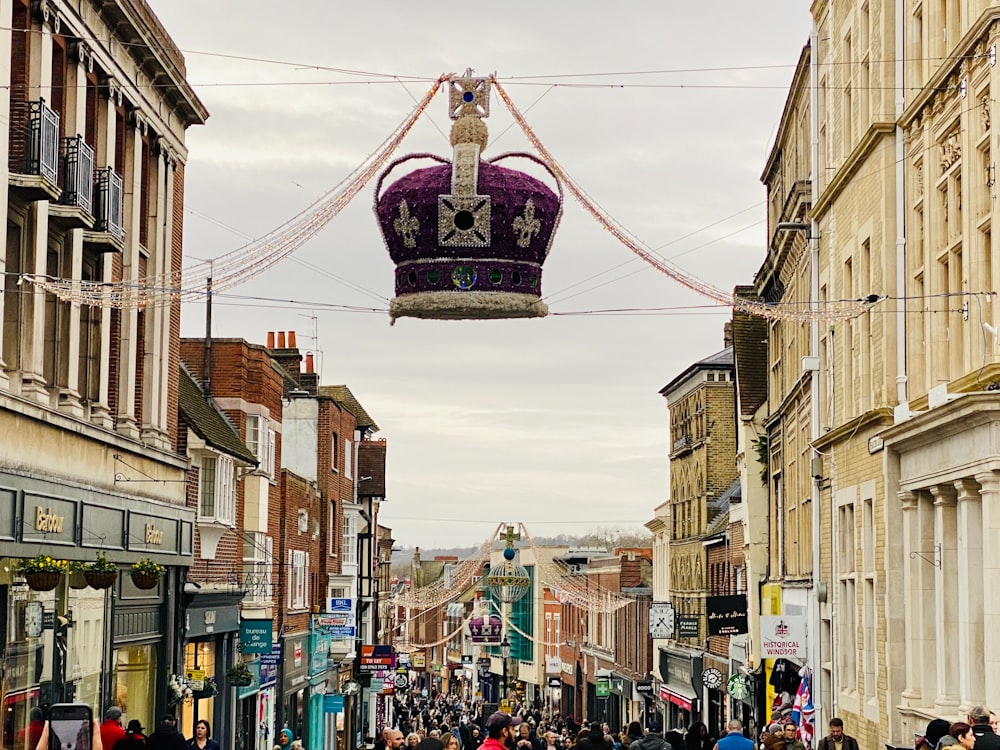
70, 726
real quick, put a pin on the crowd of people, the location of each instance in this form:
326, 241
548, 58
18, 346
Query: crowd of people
165, 737
980, 731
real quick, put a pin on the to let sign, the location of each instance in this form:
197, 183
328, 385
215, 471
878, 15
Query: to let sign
377, 659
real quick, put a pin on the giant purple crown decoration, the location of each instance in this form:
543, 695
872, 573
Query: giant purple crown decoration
468, 237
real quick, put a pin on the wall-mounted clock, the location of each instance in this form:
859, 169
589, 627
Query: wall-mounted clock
33, 615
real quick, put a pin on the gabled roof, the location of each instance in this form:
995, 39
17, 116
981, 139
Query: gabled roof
722, 360
208, 423
343, 396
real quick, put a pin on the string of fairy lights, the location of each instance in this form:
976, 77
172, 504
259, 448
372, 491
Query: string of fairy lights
259, 255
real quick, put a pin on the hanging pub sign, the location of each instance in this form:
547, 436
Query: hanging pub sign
688, 626
486, 629
727, 615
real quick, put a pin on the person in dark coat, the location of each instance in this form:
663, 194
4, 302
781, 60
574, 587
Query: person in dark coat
594, 739
134, 739
986, 738
166, 736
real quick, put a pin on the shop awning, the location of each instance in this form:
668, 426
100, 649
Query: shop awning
679, 698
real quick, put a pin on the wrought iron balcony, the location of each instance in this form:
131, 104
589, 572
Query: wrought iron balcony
78, 174
109, 203
43, 141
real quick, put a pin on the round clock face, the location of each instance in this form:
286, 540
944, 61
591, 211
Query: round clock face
712, 678
33, 619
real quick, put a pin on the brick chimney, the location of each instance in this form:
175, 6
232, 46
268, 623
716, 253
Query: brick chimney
631, 576
727, 334
309, 380
285, 352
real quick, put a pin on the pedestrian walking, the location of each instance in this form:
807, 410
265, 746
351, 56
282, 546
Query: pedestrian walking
734, 739
986, 738
837, 740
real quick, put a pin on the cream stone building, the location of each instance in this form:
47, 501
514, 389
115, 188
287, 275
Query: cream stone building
885, 425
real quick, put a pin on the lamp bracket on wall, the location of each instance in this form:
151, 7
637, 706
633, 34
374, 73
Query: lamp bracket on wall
936, 561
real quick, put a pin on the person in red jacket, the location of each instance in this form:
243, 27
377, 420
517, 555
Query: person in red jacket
501, 728
111, 729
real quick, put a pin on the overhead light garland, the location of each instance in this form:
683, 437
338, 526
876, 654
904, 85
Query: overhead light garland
244, 263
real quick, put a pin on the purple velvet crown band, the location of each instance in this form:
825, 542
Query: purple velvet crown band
522, 216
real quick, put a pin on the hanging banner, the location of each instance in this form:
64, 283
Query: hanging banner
783, 636
727, 615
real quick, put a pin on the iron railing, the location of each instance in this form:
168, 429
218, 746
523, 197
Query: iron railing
78, 174
109, 202
43, 141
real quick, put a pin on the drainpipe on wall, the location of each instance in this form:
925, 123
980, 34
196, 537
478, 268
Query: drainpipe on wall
814, 623
901, 377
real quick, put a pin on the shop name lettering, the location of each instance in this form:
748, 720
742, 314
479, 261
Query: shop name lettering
46, 520
152, 534
775, 647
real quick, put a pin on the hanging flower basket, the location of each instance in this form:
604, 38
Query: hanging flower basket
103, 579
145, 580
210, 690
42, 580
77, 580
240, 676
146, 573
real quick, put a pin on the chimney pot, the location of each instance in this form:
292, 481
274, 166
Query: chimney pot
309, 362
270, 339
291, 339
281, 339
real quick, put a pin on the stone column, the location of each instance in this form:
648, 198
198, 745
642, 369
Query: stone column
153, 386
989, 583
167, 164
125, 421
913, 621
970, 615
945, 555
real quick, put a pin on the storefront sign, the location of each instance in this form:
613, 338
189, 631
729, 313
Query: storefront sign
553, 665
555, 682
273, 657
338, 604
269, 667
419, 660
153, 535
688, 626
644, 687
47, 521
320, 652
376, 658
737, 687
333, 703
783, 636
727, 615
203, 618
679, 700
334, 621
602, 687
256, 636
486, 629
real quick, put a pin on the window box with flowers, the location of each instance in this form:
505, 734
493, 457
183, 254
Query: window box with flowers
43, 573
146, 573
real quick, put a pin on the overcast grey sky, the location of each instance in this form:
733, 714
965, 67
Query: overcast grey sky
554, 422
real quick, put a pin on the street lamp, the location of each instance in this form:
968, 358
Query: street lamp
505, 654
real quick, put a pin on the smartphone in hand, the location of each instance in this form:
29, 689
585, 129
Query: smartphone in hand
70, 726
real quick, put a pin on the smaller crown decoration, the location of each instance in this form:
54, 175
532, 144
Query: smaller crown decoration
468, 237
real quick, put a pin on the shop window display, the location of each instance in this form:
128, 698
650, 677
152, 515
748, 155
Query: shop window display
134, 681
200, 656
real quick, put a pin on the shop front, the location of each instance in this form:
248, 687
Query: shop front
295, 685
716, 712
211, 624
74, 642
677, 693
319, 683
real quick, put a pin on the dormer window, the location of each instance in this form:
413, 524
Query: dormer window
217, 489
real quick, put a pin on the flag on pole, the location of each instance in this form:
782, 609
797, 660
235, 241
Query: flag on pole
803, 711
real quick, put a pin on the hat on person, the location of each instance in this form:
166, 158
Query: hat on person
936, 729
501, 719
113, 713
134, 726
979, 714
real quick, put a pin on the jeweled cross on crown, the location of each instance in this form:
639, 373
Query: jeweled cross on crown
509, 536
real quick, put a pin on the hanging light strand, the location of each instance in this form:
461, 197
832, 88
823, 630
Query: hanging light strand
244, 263
754, 307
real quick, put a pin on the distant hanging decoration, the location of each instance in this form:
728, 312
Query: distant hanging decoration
509, 581
468, 237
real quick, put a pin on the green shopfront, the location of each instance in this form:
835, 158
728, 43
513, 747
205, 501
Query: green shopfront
76, 643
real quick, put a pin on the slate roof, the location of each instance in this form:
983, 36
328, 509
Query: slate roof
722, 360
719, 506
750, 341
343, 396
208, 423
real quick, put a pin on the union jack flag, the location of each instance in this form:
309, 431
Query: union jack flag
803, 711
